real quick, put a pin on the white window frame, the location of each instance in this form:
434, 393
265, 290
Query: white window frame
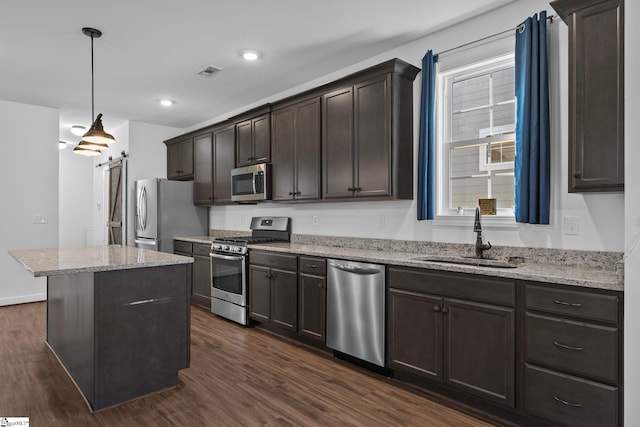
444, 80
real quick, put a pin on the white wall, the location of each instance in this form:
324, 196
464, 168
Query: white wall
632, 217
600, 216
29, 180
75, 193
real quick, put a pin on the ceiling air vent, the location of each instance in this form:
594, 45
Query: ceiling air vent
209, 71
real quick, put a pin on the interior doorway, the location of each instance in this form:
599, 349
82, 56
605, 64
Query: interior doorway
115, 184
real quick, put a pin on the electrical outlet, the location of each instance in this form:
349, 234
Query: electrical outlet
40, 219
315, 220
571, 225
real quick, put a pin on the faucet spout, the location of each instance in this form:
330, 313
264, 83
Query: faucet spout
477, 228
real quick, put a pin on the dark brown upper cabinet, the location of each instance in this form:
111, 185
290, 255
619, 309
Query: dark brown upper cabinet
180, 158
203, 170
367, 134
213, 160
253, 137
224, 159
596, 93
295, 146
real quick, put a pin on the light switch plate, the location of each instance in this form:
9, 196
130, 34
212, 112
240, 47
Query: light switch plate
40, 219
571, 225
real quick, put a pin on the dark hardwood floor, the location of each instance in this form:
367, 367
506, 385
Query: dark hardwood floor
238, 377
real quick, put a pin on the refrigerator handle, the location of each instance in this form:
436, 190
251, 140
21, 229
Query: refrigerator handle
143, 208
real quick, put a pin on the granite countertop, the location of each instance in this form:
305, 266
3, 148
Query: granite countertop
559, 274
575, 268
54, 261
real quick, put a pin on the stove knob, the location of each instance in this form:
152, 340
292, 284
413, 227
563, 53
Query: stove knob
215, 247
225, 247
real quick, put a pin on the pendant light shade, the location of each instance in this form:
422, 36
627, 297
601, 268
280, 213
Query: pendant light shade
86, 151
96, 133
96, 139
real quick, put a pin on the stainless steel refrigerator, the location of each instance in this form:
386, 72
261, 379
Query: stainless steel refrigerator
165, 209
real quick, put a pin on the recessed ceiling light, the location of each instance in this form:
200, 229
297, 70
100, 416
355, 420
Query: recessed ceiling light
62, 145
166, 102
78, 130
251, 55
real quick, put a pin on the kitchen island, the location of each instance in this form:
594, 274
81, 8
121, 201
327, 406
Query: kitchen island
118, 318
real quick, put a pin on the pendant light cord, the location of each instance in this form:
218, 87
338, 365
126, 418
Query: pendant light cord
92, 91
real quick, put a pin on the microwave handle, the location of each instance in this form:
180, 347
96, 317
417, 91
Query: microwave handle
254, 183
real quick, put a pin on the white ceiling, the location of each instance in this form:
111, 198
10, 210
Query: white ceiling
152, 49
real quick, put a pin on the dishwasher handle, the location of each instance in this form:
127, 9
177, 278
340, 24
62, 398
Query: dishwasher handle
354, 269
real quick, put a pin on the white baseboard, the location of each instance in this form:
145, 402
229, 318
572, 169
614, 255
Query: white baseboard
23, 299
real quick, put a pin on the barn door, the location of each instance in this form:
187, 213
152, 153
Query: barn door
116, 214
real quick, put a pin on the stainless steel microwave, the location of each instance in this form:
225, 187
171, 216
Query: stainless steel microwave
251, 183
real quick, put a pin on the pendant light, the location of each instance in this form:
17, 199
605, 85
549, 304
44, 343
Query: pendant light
96, 139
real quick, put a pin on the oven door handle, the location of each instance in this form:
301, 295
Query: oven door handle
227, 257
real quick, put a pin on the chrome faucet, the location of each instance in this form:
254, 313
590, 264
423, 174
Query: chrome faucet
477, 228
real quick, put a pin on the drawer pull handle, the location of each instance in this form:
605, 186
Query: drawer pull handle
567, 403
567, 347
569, 304
311, 266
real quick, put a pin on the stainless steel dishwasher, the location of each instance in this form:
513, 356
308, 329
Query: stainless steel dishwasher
355, 309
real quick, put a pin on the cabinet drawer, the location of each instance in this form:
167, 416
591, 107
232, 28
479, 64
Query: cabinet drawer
184, 247
313, 265
459, 285
270, 259
573, 303
201, 249
573, 346
568, 400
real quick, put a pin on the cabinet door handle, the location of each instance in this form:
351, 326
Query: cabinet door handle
567, 347
357, 189
568, 304
350, 189
436, 308
566, 402
297, 193
577, 174
320, 285
291, 193
445, 310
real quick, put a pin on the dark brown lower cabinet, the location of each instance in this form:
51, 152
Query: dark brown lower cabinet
273, 289
284, 299
201, 275
463, 344
259, 293
573, 355
313, 294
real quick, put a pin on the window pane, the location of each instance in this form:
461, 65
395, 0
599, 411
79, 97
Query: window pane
470, 93
504, 118
468, 125
464, 161
504, 85
502, 189
465, 192
503, 152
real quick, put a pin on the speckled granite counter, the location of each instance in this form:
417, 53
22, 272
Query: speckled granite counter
592, 269
566, 275
56, 261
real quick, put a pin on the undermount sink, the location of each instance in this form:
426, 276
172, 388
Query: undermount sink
478, 262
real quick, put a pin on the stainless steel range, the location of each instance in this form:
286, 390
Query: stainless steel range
229, 266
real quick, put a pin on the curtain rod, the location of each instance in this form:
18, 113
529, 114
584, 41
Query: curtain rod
123, 156
519, 27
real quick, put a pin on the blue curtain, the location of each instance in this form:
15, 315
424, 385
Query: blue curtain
532, 164
426, 140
